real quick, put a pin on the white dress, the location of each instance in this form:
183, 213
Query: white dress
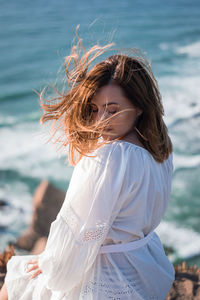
116, 197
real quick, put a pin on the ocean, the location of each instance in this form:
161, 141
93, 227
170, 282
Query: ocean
35, 38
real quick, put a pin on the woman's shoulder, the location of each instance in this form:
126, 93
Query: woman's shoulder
120, 152
121, 146
126, 153
130, 148
121, 157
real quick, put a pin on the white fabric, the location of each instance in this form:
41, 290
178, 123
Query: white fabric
126, 246
117, 197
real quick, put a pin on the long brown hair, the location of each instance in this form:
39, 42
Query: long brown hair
72, 107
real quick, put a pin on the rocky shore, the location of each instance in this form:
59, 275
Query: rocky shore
47, 201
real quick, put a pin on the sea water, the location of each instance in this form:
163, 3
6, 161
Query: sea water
35, 38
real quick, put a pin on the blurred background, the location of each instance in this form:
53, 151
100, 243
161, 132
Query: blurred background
35, 37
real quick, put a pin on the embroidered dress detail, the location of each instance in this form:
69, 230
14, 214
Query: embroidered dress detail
96, 233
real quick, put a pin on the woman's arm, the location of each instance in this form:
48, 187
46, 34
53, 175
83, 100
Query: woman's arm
92, 201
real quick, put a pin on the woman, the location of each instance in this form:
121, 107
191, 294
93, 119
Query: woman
102, 244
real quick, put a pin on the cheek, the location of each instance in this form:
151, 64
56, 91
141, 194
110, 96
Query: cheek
124, 122
123, 118
131, 117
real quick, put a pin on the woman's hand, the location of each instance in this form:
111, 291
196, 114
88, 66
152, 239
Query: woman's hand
34, 267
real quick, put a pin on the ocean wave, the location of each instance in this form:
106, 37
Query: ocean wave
192, 50
24, 148
13, 175
186, 162
22, 94
185, 241
164, 46
10, 121
180, 96
16, 215
6, 121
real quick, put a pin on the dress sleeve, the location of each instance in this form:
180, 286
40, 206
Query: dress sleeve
93, 199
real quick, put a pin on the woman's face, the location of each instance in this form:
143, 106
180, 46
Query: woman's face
109, 100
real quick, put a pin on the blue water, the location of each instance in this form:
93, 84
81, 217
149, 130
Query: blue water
35, 38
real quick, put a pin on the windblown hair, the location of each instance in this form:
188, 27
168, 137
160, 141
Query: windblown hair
73, 109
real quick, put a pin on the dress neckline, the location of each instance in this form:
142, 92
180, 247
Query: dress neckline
132, 144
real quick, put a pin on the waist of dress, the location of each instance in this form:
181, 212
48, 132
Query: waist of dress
126, 246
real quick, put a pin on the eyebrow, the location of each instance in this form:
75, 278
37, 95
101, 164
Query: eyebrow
109, 103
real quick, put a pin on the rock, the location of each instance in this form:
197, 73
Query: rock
39, 246
28, 239
47, 201
184, 289
3, 203
187, 283
4, 258
197, 293
2, 276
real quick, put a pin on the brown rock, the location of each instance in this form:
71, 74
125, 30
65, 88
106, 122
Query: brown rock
47, 201
28, 239
186, 285
197, 292
39, 246
2, 277
184, 289
4, 258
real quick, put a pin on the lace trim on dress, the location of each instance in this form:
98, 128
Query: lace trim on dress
109, 291
96, 233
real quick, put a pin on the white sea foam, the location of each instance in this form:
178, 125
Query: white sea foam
183, 161
18, 198
180, 97
23, 149
17, 214
192, 50
7, 120
164, 46
186, 242
10, 120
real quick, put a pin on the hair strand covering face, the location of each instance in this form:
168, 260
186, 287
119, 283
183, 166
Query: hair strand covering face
71, 109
